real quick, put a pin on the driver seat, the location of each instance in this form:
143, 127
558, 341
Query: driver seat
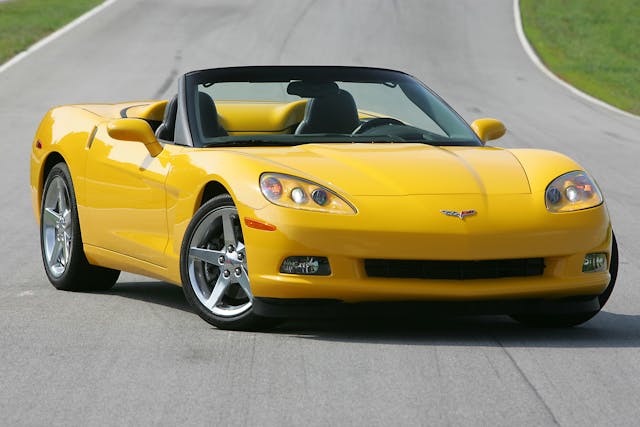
330, 114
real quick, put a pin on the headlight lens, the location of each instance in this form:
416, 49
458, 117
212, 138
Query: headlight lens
571, 192
292, 192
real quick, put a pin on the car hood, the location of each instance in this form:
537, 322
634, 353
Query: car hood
402, 169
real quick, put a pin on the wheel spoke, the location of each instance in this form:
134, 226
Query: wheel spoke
227, 228
217, 293
62, 202
207, 255
50, 217
243, 281
66, 249
66, 216
55, 253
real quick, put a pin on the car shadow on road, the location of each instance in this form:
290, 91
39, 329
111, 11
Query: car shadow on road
154, 292
607, 329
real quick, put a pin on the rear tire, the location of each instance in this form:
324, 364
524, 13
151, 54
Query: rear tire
213, 268
64, 260
568, 320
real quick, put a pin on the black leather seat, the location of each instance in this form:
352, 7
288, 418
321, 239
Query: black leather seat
330, 114
166, 131
208, 117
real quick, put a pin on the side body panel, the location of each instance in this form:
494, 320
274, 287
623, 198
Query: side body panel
125, 199
68, 134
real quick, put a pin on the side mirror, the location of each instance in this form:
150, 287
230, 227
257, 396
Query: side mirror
134, 130
488, 129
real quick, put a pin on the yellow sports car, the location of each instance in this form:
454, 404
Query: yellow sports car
270, 192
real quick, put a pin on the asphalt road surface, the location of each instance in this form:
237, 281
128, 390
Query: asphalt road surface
138, 354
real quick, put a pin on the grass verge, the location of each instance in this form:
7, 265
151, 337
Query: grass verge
593, 45
24, 22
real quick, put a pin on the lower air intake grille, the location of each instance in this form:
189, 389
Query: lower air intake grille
454, 270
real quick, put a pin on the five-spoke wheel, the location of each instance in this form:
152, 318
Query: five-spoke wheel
214, 267
56, 226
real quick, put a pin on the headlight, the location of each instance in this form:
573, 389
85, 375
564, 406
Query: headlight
298, 193
571, 192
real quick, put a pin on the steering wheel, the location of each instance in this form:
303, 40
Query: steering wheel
373, 123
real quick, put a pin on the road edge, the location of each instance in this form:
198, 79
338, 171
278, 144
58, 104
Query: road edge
533, 56
56, 34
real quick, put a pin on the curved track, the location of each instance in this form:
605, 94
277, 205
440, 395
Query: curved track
138, 354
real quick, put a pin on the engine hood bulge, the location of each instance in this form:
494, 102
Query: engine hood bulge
402, 169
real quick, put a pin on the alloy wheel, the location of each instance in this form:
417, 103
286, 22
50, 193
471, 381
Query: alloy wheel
217, 264
56, 227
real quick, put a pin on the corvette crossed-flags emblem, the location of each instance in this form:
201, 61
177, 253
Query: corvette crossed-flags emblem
461, 214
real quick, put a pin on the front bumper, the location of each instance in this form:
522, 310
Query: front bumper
412, 228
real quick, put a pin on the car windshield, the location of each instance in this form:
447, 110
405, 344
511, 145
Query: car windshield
298, 105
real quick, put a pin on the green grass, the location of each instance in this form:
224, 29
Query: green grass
592, 44
23, 22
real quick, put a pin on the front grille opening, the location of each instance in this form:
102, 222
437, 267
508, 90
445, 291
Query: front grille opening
454, 270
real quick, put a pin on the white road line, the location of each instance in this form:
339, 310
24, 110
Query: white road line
25, 293
536, 60
51, 37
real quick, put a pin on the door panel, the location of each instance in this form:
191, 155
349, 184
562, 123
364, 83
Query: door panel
125, 207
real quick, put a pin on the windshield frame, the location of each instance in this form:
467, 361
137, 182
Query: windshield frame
258, 74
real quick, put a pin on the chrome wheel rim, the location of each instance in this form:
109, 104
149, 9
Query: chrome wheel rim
217, 264
56, 227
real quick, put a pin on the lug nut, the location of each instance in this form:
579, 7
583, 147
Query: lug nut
238, 271
240, 257
230, 248
221, 259
226, 274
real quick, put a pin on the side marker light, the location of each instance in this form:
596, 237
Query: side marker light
259, 225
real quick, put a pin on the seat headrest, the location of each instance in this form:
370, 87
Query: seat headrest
208, 115
330, 114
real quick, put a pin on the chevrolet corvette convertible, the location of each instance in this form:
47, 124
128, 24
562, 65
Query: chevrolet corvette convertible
275, 192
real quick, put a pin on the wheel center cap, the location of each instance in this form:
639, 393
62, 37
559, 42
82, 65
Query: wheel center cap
229, 260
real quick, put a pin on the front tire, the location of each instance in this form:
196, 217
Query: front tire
64, 260
213, 268
568, 320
